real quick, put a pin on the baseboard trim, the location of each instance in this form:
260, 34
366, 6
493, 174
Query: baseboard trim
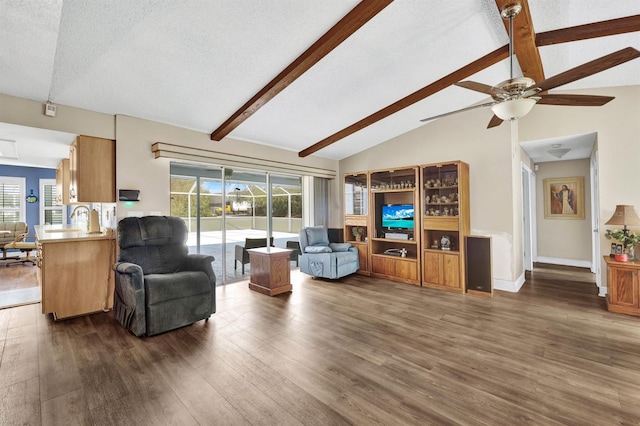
510, 286
565, 262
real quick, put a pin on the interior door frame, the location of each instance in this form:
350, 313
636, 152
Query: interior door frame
595, 221
529, 241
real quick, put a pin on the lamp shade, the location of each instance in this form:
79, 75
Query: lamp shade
624, 215
514, 108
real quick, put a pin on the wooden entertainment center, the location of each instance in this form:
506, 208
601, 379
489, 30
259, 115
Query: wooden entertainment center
409, 223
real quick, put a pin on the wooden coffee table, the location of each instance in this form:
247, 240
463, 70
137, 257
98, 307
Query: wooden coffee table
270, 271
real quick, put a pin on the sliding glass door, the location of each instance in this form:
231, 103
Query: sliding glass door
223, 207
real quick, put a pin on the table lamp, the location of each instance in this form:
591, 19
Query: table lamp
624, 215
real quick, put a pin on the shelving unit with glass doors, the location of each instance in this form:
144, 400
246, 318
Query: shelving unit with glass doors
356, 216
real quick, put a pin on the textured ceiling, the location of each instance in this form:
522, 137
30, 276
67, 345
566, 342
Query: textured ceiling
194, 63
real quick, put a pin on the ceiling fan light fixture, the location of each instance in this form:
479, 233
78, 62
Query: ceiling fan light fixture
514, 108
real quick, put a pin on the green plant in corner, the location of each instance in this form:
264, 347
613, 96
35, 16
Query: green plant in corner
628, 239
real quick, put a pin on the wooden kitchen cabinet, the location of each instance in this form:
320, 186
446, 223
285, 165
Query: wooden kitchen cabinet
92, 165
62, 183
442, 269
623, 286
395, 268
74, 272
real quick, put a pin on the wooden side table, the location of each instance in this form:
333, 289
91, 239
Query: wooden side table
623, 282
270, 270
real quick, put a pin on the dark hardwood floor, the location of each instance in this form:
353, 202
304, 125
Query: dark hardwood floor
17, 277
354, 351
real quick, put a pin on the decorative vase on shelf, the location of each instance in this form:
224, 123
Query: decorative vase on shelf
631, 253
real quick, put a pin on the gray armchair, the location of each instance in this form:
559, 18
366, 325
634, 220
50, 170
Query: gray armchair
320, 258
158, 285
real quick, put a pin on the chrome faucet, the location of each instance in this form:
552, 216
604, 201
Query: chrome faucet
75, 212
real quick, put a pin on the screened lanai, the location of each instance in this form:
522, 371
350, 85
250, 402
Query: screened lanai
222, 207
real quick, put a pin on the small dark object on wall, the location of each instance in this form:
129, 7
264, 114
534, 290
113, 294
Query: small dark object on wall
129, 195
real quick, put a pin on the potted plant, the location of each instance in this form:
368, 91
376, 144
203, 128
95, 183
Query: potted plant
628, 239
358, 232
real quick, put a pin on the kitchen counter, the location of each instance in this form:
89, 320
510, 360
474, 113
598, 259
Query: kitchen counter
74, 270
60, 233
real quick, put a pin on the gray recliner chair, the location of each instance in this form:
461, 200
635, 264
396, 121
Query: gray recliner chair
158, 285
320, 258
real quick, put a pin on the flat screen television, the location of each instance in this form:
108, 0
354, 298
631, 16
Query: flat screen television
397, 216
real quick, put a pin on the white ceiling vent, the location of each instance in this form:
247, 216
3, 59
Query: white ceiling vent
8, 149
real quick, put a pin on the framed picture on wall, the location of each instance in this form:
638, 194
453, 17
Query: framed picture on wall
564, 198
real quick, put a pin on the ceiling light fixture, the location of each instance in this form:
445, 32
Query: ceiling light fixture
514, 108
558, 151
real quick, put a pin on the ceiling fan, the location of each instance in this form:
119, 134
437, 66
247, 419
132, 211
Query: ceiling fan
514, 98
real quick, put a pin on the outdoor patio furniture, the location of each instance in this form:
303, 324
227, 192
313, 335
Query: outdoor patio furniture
295, 246
242, 255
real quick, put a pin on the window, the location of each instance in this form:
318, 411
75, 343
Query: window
49, 212
12, 199
224, 206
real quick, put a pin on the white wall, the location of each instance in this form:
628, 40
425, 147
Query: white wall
138, 169
29, 113
561, 241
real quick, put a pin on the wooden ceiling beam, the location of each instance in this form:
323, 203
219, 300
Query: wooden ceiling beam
446, 81
349, 24
627, 24
524, 40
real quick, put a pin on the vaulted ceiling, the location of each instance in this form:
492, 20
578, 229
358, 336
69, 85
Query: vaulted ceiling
330, 78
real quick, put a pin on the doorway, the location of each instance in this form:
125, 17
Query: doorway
566, 242
528, 216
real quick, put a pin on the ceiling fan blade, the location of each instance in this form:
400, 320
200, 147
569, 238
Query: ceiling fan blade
459, 110
479, 87
495, 121
574, 100
587, 69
